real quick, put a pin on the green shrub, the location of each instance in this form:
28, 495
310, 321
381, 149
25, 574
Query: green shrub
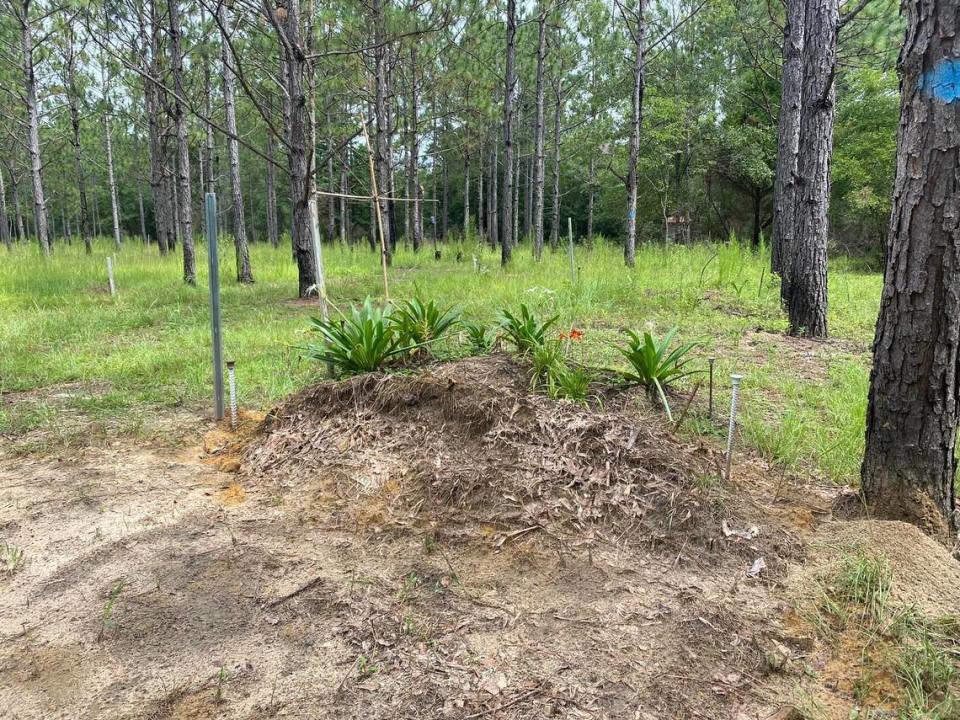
524, 330
653, 367
570, 382
419, 323
361, 341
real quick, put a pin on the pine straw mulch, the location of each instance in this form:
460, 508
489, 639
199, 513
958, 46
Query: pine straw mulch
469, 441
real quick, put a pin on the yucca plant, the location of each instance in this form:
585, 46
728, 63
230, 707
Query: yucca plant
653, 366
361, 341
479, 337
524, 330
419, 323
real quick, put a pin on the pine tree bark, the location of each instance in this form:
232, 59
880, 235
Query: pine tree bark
240, 245
413, 159
557, 120
111, 177
298, 138
909, 465
806, 254
383, 154
638, 32
494, 195
510, 81
273, 233
788, 137
184, 195
538, 138
22, 13
4, 221
345, 230
17, 209
591, 192
73, 103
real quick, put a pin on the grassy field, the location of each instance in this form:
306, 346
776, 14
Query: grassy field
147, 350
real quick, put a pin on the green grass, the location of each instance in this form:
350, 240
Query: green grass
148, 349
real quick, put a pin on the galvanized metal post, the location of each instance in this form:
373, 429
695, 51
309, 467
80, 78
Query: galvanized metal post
113, 285
214, 270
733, 419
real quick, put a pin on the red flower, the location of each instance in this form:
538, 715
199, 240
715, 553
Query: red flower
575, 334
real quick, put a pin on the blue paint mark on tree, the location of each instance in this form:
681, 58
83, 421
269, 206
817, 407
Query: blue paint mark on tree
943, 81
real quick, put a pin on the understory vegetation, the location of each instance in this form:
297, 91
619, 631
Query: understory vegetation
916, 652
68, 348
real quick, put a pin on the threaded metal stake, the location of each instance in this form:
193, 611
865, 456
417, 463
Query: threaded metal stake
233, 393
710, 410
733, 419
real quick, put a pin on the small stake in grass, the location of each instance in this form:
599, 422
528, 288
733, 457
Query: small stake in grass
573, 271
733, 419
113, 285
231, 372
710, 408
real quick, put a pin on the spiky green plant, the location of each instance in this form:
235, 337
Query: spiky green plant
419, 323
360, 341
524, 330
653, 366
478, 337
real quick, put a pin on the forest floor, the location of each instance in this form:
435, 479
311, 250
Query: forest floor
449, 544
446, 543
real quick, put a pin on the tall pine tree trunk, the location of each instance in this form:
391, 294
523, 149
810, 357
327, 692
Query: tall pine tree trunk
33, 126
241, 248
413, 159
183, 190
557, 119
4, 223
638, 32
806, 293
909, 466
273, 232
17, 209
788, 137
510, 81
538, 137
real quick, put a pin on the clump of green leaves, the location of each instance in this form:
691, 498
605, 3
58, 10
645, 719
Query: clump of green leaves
361, 341
107, 621
524, 330
479, 337
10, 557
419, 323
554, 373
653, 366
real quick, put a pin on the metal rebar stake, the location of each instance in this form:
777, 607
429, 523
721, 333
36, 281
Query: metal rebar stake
710, 408
232, 375
733, 419
214, 268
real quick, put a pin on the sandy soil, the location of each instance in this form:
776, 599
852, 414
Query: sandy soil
156, 585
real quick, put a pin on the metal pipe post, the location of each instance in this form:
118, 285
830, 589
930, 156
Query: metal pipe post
710, 409
214, 269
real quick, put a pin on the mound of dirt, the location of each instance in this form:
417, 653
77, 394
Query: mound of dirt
469, 441
925, 576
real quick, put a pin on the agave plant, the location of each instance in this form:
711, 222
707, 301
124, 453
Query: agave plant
419, 323
524, 330
653, 367
361, 341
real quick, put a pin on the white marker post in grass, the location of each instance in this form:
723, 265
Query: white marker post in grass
113, 285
